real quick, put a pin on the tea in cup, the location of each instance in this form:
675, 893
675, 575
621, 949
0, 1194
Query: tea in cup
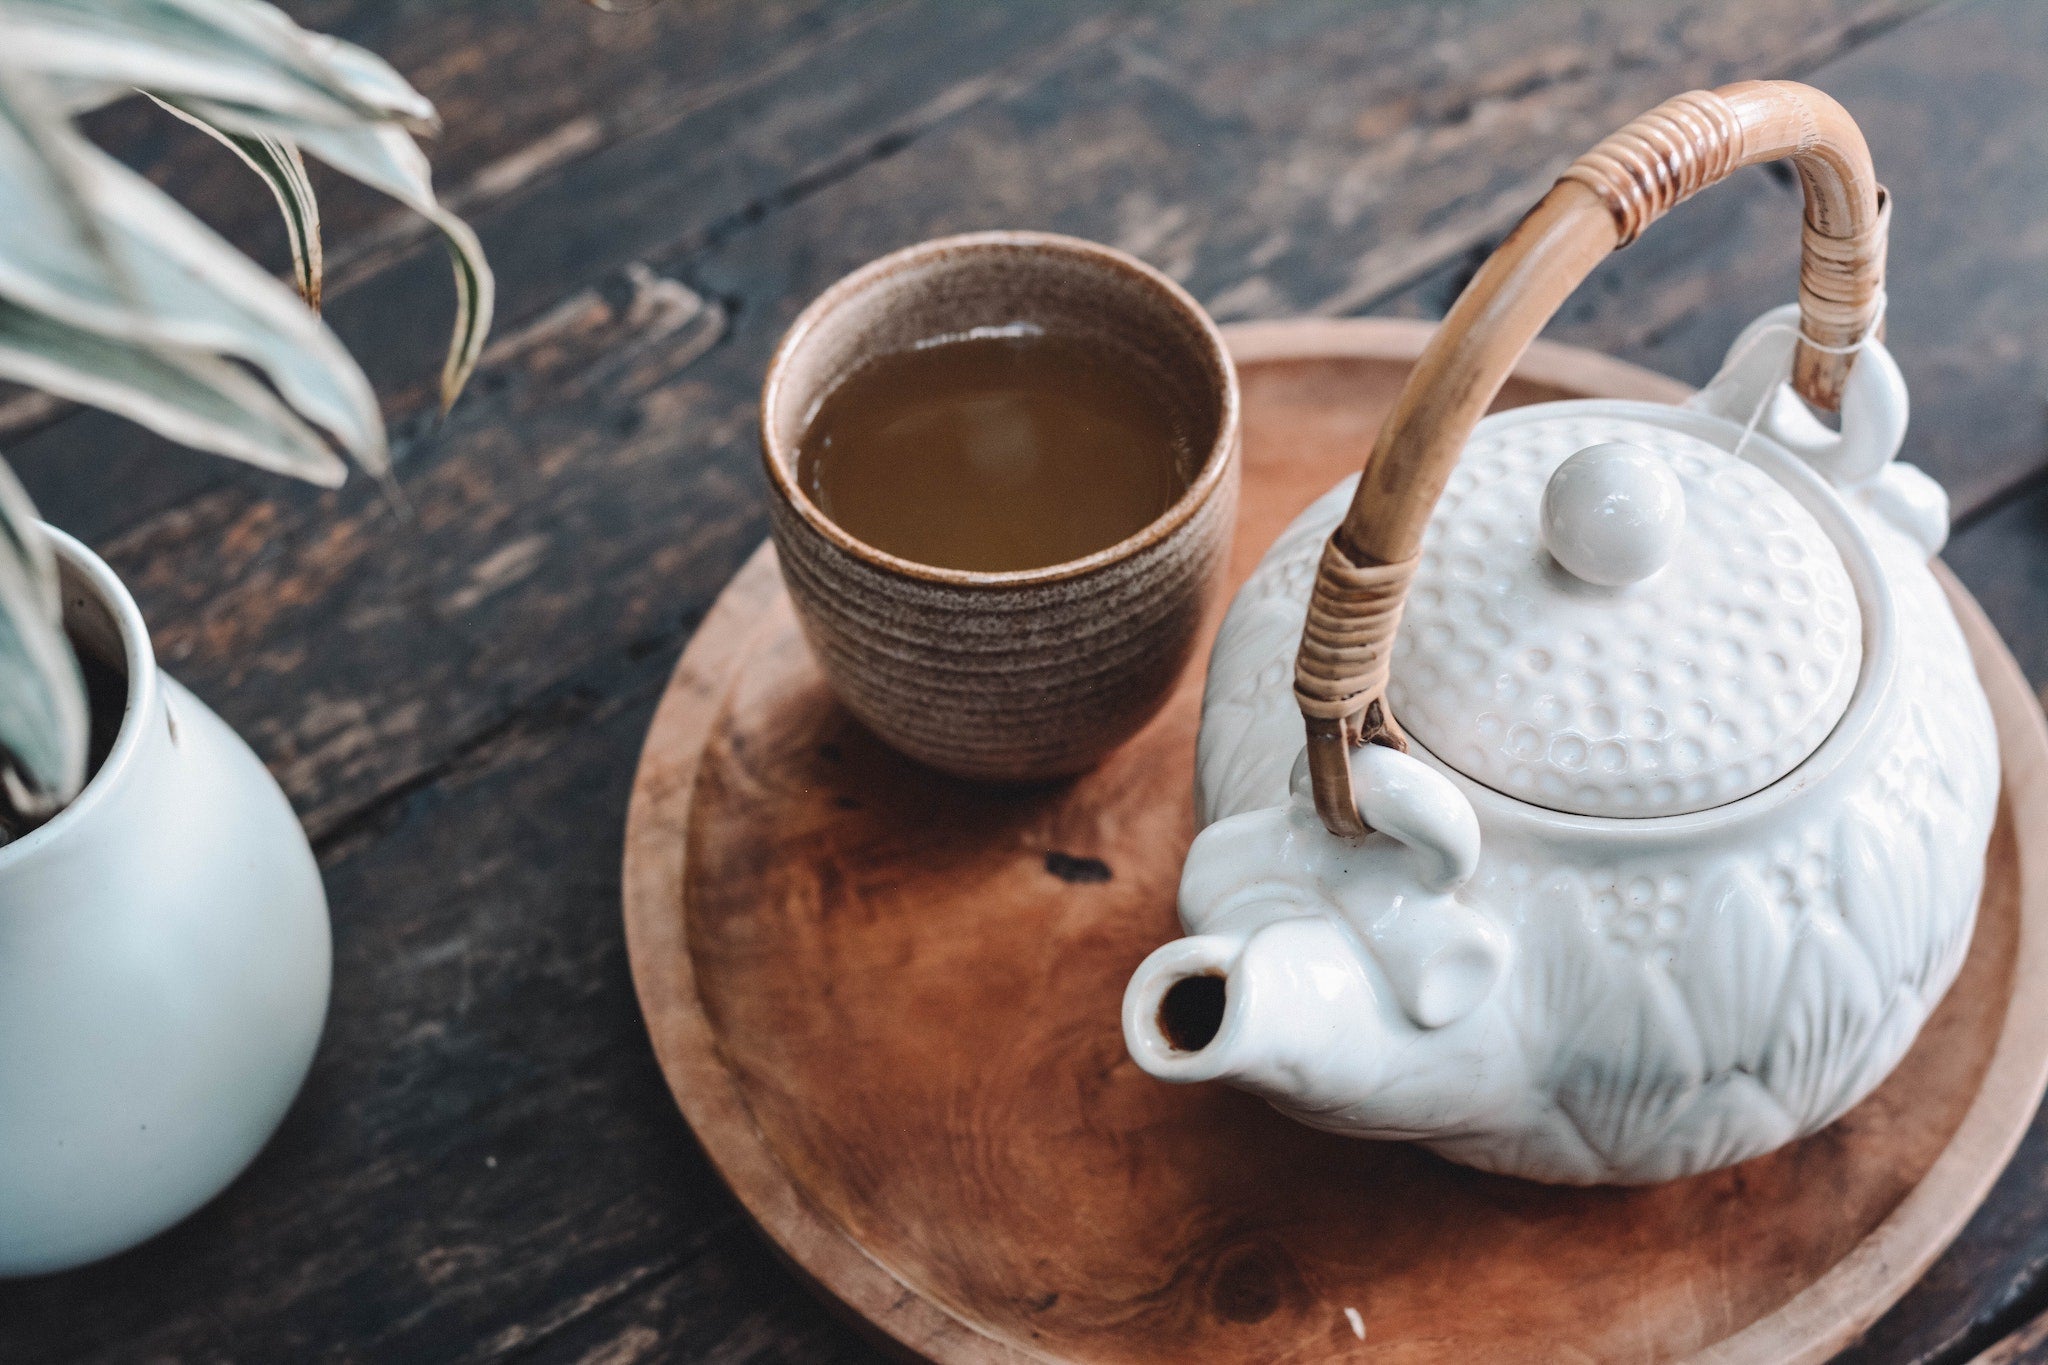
1005, 472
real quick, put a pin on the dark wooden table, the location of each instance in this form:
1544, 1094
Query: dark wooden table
485, 1164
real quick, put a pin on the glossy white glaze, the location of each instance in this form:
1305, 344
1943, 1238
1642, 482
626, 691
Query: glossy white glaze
1612, 514
164, 960
1679, 691
1591, 998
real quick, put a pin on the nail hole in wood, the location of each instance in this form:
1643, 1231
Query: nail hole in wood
1078, 871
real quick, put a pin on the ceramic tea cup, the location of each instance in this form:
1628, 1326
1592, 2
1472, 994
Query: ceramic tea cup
1026, 674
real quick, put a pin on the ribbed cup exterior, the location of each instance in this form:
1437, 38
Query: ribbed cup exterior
1006, 676
1013, 683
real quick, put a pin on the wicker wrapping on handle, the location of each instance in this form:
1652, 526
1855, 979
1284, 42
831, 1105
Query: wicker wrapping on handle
1602, 202
1348, 640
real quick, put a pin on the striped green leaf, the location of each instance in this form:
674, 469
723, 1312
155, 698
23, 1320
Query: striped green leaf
280, 166
43, 717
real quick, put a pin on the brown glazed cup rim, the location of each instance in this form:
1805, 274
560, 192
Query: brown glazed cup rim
782, 463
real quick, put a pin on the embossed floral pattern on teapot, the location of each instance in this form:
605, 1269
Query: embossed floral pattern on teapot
1643, 814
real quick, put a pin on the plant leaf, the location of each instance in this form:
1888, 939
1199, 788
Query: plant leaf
386, 158
189, 396
44, 719
374, 81
161, 278
284, 171
224, 49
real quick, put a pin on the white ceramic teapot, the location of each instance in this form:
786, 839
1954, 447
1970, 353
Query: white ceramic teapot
1643, 814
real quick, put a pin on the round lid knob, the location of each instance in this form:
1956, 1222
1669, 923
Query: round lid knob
1656, 692
1612, 514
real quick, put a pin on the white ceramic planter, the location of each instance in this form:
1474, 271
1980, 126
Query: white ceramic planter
164, 967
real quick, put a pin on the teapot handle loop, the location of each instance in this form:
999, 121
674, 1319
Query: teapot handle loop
1601, 203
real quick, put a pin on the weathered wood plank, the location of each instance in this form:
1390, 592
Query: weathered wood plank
2004, 559
700, 128
595, 491
1956, 109
626, 70
457, 700
523, 86
485, 1151
2029, 1343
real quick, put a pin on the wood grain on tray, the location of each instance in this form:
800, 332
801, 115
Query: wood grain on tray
486, 1163
891, 1012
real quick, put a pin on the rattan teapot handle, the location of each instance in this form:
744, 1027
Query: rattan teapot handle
1602, 202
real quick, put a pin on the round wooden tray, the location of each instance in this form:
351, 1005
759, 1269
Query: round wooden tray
887, 1002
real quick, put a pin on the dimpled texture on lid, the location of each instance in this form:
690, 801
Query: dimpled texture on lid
1703, 683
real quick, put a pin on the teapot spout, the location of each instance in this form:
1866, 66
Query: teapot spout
1289, 1012
1299, 1013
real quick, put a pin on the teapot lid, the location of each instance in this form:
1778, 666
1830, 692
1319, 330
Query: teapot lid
1614, 617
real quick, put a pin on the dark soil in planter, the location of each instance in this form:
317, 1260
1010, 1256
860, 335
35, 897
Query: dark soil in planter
106, 693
